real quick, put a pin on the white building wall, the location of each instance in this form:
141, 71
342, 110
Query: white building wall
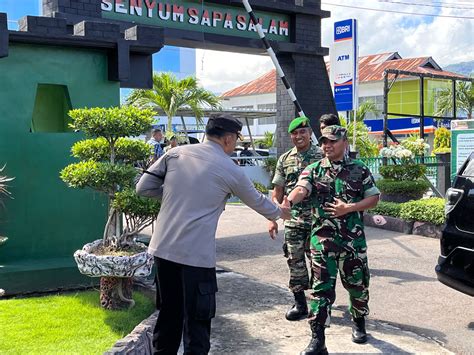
249, 100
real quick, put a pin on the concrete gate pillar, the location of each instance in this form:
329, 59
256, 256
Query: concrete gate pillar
306, 72
309, 79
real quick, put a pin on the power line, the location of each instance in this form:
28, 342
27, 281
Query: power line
397, 12
427, 5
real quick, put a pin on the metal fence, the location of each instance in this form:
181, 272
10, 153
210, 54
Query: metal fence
431, 166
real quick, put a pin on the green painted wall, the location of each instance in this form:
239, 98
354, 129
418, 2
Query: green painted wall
52, 104
404, 96
46, 221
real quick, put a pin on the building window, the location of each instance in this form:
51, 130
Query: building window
266, 106
378, 100
267, 120
246, 107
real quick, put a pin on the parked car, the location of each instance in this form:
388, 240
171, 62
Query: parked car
455, 266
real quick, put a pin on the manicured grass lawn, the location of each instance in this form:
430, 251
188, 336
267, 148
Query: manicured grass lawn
66, 324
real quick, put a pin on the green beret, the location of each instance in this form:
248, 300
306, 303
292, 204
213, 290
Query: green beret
333, 133
298, 122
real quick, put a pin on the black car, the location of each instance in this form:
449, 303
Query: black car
456, 263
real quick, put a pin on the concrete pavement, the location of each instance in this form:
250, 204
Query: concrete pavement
250, 320
410, 310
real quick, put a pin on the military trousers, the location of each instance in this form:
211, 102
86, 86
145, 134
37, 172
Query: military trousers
296, 250
327, 259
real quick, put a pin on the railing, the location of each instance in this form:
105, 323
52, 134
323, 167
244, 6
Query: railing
431, 166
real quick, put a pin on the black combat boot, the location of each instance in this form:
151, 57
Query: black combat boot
359, 334
299, 309
317, 344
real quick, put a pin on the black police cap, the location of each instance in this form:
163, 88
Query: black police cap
223, 122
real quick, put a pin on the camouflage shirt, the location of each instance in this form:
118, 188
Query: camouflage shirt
348, 180
289, 167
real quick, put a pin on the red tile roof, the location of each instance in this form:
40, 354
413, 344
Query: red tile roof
371, 68
263, 85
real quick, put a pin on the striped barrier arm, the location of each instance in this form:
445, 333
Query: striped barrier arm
277, 65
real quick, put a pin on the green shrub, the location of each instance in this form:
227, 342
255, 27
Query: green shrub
442, 139
402, 172
441, 150
260, 187
427, 210
410, 188
387, 209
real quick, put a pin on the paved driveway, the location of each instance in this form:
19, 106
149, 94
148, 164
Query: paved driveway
410, 310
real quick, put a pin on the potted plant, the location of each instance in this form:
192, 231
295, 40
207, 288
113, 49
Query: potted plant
401, 182
108, 161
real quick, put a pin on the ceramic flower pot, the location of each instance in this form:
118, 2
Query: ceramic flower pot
113, 266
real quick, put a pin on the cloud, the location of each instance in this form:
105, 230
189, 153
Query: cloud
222, 71
447, 40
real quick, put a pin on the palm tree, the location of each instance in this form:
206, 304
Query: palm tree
171, 94
266, 141
366, 147
464, 99
365, 108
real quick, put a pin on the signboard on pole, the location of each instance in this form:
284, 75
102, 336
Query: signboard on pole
344, 65
462, 143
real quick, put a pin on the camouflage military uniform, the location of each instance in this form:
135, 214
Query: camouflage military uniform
298, 229
338, 243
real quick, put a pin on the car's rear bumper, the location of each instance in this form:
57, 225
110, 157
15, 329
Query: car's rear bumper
451, 270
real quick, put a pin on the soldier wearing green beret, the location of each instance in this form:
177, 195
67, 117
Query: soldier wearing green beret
340, 189
298, 229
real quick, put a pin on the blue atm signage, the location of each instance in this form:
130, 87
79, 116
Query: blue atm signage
344, 65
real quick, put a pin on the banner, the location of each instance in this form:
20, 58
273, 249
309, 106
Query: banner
344, 65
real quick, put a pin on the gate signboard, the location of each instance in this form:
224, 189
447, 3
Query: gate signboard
199, 16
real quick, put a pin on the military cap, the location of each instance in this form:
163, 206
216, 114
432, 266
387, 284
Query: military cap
298, 122
333, 133
225, 123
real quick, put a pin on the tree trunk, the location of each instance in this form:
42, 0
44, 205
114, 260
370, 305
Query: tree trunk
116, 293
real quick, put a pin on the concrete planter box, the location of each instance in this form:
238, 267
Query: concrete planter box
388, 223
395, 224
427, 229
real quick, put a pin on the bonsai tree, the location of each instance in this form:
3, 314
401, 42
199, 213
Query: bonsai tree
107, 164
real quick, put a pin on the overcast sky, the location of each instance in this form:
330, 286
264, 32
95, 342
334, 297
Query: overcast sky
448, 40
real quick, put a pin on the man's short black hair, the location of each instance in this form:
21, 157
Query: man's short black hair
156, 130
329, 119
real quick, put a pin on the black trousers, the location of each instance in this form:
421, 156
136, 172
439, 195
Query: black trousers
187, 299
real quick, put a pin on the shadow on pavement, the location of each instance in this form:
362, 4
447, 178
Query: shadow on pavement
248, 246
401, 276
245, 309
